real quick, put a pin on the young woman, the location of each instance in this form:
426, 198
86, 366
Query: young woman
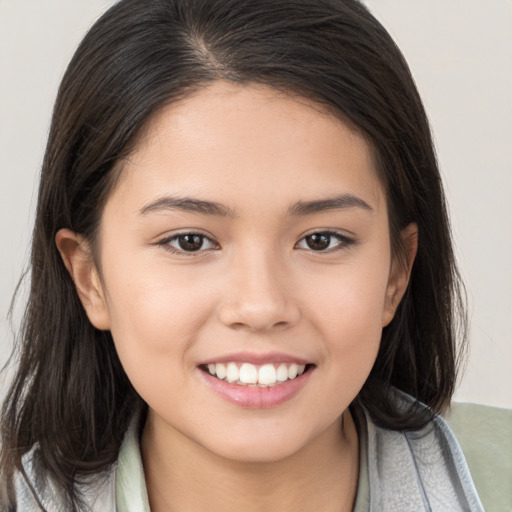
243, 289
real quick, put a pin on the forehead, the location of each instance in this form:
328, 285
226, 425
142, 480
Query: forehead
229, 142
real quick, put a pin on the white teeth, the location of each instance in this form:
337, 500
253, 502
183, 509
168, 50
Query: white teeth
265, 375
248, 374
232, 372
220, 370
282, 373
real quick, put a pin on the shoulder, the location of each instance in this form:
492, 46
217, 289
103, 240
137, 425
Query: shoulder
37, 492
485, 435
418, 470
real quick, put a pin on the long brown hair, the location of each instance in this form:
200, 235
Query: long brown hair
70, 395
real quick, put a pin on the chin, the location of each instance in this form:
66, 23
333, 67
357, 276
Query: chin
263, 452
265, 443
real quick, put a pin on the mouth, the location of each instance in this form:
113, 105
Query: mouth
256, 381
253, 375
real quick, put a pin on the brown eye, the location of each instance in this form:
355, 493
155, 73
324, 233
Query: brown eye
318, 241
325, 241
190, 243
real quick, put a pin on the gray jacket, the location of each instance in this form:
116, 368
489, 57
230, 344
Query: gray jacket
415, 471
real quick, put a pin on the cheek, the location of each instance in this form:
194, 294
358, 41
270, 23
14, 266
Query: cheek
352, 299
347, 311
155, 315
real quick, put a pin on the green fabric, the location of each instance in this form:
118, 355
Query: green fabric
485, 435
362, 503
131, 493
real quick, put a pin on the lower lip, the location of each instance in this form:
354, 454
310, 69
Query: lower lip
253, 397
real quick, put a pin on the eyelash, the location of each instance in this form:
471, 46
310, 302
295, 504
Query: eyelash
166, 243
343, 243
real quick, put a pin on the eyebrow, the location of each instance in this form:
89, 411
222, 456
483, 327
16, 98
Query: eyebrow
300, 208
188, 204
340, 202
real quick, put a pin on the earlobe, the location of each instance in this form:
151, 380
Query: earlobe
400, 273
77, 258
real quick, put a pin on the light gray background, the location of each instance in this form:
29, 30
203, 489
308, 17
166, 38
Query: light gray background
460, 52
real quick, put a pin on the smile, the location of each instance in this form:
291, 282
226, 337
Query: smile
248, 374
256, 381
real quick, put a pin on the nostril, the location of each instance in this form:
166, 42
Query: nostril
238, 325
258, 313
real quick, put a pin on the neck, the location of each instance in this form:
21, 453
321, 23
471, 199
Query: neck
182, 476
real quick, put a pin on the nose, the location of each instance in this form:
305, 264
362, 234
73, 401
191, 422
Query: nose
259, 296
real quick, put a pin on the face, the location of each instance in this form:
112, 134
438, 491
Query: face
245, 270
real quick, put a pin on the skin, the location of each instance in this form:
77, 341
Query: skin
256, 288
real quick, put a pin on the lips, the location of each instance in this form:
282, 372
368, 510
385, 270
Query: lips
256, 381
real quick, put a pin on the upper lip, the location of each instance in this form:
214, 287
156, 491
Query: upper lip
256, 358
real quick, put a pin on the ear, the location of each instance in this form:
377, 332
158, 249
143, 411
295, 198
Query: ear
77, 258
400, 273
